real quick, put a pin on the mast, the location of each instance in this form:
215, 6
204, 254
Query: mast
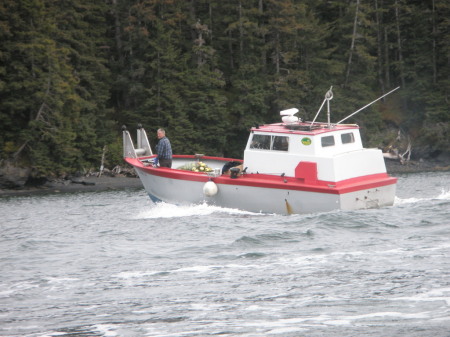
328, 98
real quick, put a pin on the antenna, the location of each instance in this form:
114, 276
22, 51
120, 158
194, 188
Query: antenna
328, 97
366, 106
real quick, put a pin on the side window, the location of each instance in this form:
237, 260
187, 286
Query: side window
261, 142
280, 143
347, 138
327, 141
266, 142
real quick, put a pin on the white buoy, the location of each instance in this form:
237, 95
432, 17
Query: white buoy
210, 189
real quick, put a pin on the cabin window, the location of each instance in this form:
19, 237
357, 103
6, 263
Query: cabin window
261, 142
267, 142
280, 143
327, 141
347, 138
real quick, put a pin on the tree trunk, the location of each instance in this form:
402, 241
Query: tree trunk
263, 37
39, 115
400, 54
352, 46
387, 76
158, 84
277, 52
230, 49
399, 44
117, 32
433, 14
210, 22
379, 48
241, 32
102, 164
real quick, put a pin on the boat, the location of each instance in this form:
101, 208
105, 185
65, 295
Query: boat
291, 167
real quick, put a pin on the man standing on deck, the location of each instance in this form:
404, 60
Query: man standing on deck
163, 150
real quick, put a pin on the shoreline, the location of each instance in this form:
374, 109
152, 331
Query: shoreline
122, 182
82, 184
395, 167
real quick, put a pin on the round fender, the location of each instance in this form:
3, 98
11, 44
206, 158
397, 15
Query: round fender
210, 189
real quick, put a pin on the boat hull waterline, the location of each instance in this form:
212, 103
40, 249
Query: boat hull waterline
263, 193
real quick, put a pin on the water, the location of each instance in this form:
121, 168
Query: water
114, 264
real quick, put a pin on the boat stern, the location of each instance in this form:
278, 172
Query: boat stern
143, 145
374, 197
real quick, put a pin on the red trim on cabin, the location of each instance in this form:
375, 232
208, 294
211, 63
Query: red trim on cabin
270, 181
307, 171
281, 128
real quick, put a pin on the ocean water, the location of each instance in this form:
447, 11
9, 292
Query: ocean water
115, 264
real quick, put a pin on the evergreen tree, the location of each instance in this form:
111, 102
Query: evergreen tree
158, 63
64, 78
72, 72
248, 90
81, 28
39, 79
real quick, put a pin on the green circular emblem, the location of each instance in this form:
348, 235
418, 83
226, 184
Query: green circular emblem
306, 141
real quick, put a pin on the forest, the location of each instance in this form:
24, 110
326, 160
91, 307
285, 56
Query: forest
72, 72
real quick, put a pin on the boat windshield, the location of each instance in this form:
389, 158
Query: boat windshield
269, 142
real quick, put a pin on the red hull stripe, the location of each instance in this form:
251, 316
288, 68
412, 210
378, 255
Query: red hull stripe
270, 181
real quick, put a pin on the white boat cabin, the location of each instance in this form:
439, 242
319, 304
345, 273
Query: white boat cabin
318, 151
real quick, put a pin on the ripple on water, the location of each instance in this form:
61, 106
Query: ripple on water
114, 264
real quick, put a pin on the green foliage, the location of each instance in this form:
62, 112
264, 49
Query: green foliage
56, 80
72, 72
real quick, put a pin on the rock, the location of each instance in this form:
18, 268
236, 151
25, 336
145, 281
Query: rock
82, 182
12, 176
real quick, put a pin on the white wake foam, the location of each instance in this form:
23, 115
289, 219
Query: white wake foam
444, 195
400, 201
164, 210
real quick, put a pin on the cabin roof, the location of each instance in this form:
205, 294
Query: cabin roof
303, 128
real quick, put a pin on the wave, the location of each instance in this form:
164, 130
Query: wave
193, 269
280, 326
165, 210
444, 195
399, 201
438, 294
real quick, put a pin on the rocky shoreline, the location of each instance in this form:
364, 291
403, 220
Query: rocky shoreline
82, 184
395, 167
93, 183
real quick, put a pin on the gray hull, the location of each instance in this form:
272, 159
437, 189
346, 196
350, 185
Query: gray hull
260, 199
